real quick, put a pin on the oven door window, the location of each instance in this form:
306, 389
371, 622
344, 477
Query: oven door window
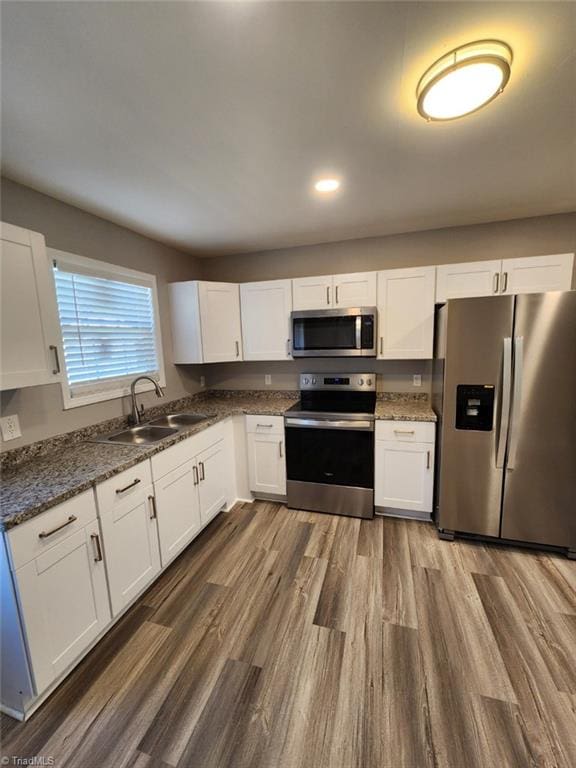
333, 456
337, 333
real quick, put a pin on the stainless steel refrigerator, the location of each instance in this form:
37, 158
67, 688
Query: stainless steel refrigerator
505, 392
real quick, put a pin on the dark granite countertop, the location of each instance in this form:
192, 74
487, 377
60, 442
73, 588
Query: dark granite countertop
52, 472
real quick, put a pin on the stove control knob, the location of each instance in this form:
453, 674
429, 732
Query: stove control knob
306, 380
369, 382
361, 382
313, 381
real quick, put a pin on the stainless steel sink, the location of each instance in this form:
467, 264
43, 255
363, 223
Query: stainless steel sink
179, 420
142, 435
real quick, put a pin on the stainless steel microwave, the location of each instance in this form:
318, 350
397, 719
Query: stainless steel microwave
334, 332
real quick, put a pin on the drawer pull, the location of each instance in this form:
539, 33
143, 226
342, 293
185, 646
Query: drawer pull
45, 534
152, 500
127, 487
201, 465
267, 426
404, 431
96, 539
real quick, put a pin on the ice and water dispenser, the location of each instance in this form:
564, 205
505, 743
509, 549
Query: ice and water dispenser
475, 407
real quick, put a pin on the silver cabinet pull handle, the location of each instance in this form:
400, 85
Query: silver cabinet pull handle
152, 500
268, 426
328, 295
337, 294
195, 473
404, 431
288, 346
202, 475
281, 449
427, 459
96, 539
504, 282
237, 348
56, 370
130, 485
495, 282
45, 534
381, 345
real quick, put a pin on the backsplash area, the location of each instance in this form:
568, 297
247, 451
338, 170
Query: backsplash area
392, 375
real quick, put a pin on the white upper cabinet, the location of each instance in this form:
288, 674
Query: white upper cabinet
462, 281
30, 341
206, 324
536, 274
357, 289
312, 292
532, 274
266, 308
406, 313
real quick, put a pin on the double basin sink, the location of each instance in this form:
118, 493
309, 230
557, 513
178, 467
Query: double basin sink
153, 431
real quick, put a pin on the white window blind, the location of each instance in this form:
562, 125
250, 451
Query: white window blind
108, 328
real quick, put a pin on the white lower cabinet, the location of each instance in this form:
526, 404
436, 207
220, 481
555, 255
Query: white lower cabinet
130, 539
62, 592
404, 468
178, 509
266, 459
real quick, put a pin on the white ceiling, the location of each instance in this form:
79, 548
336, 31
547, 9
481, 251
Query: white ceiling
204, 124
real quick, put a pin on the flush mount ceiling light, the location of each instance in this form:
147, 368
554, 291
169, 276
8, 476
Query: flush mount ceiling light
327, 185
464, 80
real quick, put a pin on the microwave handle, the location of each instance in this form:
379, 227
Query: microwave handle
358, 331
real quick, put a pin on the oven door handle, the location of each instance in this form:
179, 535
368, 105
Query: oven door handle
364, 425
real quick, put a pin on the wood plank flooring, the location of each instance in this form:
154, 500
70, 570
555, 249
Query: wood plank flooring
283, 639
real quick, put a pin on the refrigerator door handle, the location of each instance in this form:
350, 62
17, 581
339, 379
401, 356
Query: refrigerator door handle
505, 413
517, 400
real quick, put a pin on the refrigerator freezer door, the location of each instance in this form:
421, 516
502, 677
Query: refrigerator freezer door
540, 483
471, 476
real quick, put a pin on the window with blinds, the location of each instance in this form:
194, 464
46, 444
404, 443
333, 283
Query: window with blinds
109, 329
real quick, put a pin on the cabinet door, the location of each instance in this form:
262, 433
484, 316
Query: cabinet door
266, 463
178, 509
220, 320
312, 292
30, 332
406, 313
460, 281
214, 481
64, 603
266, 311
130, 537
404, 475
357, 289
536, 274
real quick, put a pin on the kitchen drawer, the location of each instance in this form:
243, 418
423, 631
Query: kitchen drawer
406, 431
24, 540
126, 485
265, 425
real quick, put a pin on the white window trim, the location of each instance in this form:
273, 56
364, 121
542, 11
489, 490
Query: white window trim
113, 272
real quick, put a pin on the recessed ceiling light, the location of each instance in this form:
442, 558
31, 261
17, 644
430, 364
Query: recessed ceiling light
464, 80
327, 185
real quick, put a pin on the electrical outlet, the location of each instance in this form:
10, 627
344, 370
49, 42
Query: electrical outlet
202, 381
267, 378
417, 380
10, 426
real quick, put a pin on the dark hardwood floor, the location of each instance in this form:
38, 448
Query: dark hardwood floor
285, 639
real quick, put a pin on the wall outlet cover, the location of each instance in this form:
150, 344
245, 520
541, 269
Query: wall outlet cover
267, 378
10, 426
417, 380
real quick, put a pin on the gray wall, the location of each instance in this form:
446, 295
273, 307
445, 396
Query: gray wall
501, 240
70, 229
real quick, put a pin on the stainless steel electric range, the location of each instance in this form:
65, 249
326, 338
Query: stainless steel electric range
330, 444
